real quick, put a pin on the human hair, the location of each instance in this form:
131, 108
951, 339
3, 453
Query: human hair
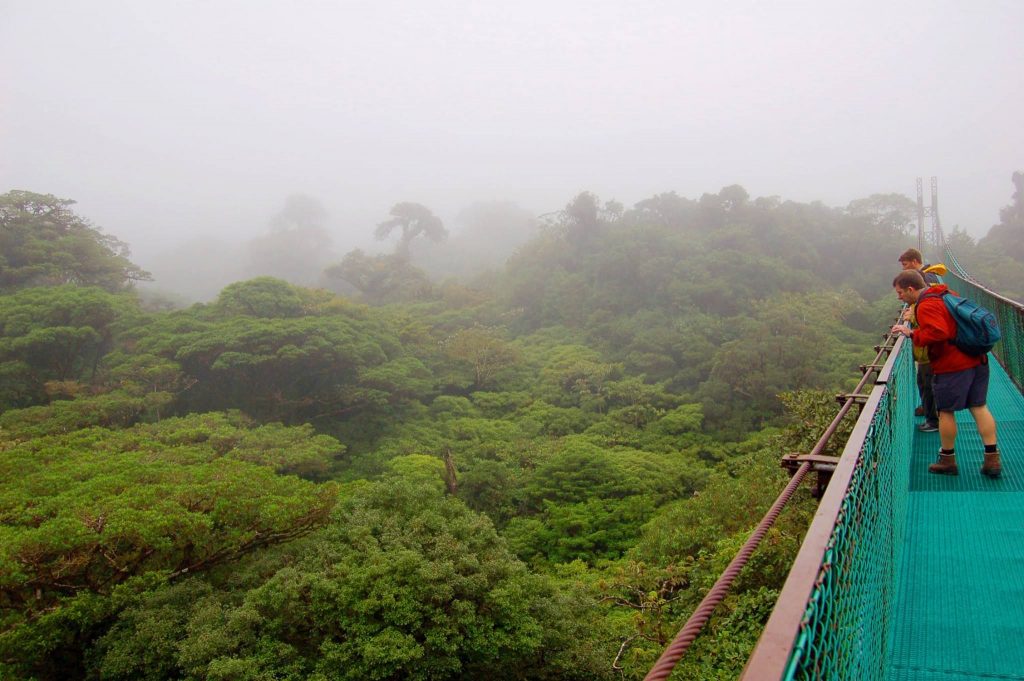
911, 254
909, 279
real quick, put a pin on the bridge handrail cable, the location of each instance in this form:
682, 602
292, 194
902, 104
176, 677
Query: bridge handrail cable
790, 643
675, 650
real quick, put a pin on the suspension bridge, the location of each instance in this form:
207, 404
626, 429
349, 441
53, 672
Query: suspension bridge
903, 575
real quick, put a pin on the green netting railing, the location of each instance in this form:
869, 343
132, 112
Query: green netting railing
832, 617
844, 633
1010, 313
1009, 350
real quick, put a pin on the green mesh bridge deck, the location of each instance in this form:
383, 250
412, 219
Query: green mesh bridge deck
959, 603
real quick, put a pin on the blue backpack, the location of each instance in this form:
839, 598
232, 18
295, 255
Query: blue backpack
976, 328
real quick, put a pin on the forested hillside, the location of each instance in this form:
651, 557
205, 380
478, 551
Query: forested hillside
535, 473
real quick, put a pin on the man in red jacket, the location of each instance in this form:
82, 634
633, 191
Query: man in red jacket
960, 381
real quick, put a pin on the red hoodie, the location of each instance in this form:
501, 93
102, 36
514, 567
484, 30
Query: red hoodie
936, 327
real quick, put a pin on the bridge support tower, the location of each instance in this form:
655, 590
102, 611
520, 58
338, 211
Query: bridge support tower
929, 242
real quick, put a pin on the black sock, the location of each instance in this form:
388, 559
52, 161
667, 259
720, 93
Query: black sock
947, 452
991, 449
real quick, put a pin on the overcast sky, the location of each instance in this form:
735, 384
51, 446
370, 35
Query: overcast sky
166, 120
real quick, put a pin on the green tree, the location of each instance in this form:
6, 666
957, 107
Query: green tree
667, 209
894, 213
780, 348
584, 218
261, 297
405, 583
590, 531
723, 208
56, 334
291, 369
382, 278
484, 349
44, 243
412, 220
115, 409
684, 549
88, 514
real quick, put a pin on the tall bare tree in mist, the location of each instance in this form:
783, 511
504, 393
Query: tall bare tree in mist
413, 220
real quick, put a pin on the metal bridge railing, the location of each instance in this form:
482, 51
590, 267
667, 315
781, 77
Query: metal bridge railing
832, 617
800, 465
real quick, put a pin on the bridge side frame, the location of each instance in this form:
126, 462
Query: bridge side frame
771, 656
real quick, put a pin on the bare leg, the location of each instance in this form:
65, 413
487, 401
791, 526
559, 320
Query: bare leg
947, 428
986, 425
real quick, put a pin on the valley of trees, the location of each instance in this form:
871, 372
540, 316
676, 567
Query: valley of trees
532, 473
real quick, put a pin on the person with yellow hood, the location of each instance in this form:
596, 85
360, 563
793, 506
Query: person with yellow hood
911, 259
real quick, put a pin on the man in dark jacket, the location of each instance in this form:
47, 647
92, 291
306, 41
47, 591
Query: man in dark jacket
960, 381
911, 259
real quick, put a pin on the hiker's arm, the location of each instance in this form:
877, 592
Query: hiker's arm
901, 328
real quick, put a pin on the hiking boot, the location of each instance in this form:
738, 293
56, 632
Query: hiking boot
919, 411
928, 427
946, 465
992, 467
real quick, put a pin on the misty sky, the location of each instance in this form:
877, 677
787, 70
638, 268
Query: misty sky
168, 120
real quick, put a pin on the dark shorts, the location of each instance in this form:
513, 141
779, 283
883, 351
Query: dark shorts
961, 389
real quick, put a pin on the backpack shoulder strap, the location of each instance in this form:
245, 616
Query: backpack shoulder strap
925, 296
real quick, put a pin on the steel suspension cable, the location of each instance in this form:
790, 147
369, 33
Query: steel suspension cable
686, 636
946, 253
675, 651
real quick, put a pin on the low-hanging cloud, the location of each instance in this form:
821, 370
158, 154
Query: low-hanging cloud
177, 121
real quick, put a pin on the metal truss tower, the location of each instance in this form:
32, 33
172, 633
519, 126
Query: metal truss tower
934, 237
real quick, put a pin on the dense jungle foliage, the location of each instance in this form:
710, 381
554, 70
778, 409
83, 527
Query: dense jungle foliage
535, 473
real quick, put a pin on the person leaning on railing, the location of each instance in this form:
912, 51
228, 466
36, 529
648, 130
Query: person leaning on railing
960, 381
911, 259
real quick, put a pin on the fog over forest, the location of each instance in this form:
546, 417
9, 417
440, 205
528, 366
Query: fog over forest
185, 127
463, 340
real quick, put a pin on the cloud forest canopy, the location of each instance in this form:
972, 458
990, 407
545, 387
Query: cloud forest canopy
533, 474
44, 243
